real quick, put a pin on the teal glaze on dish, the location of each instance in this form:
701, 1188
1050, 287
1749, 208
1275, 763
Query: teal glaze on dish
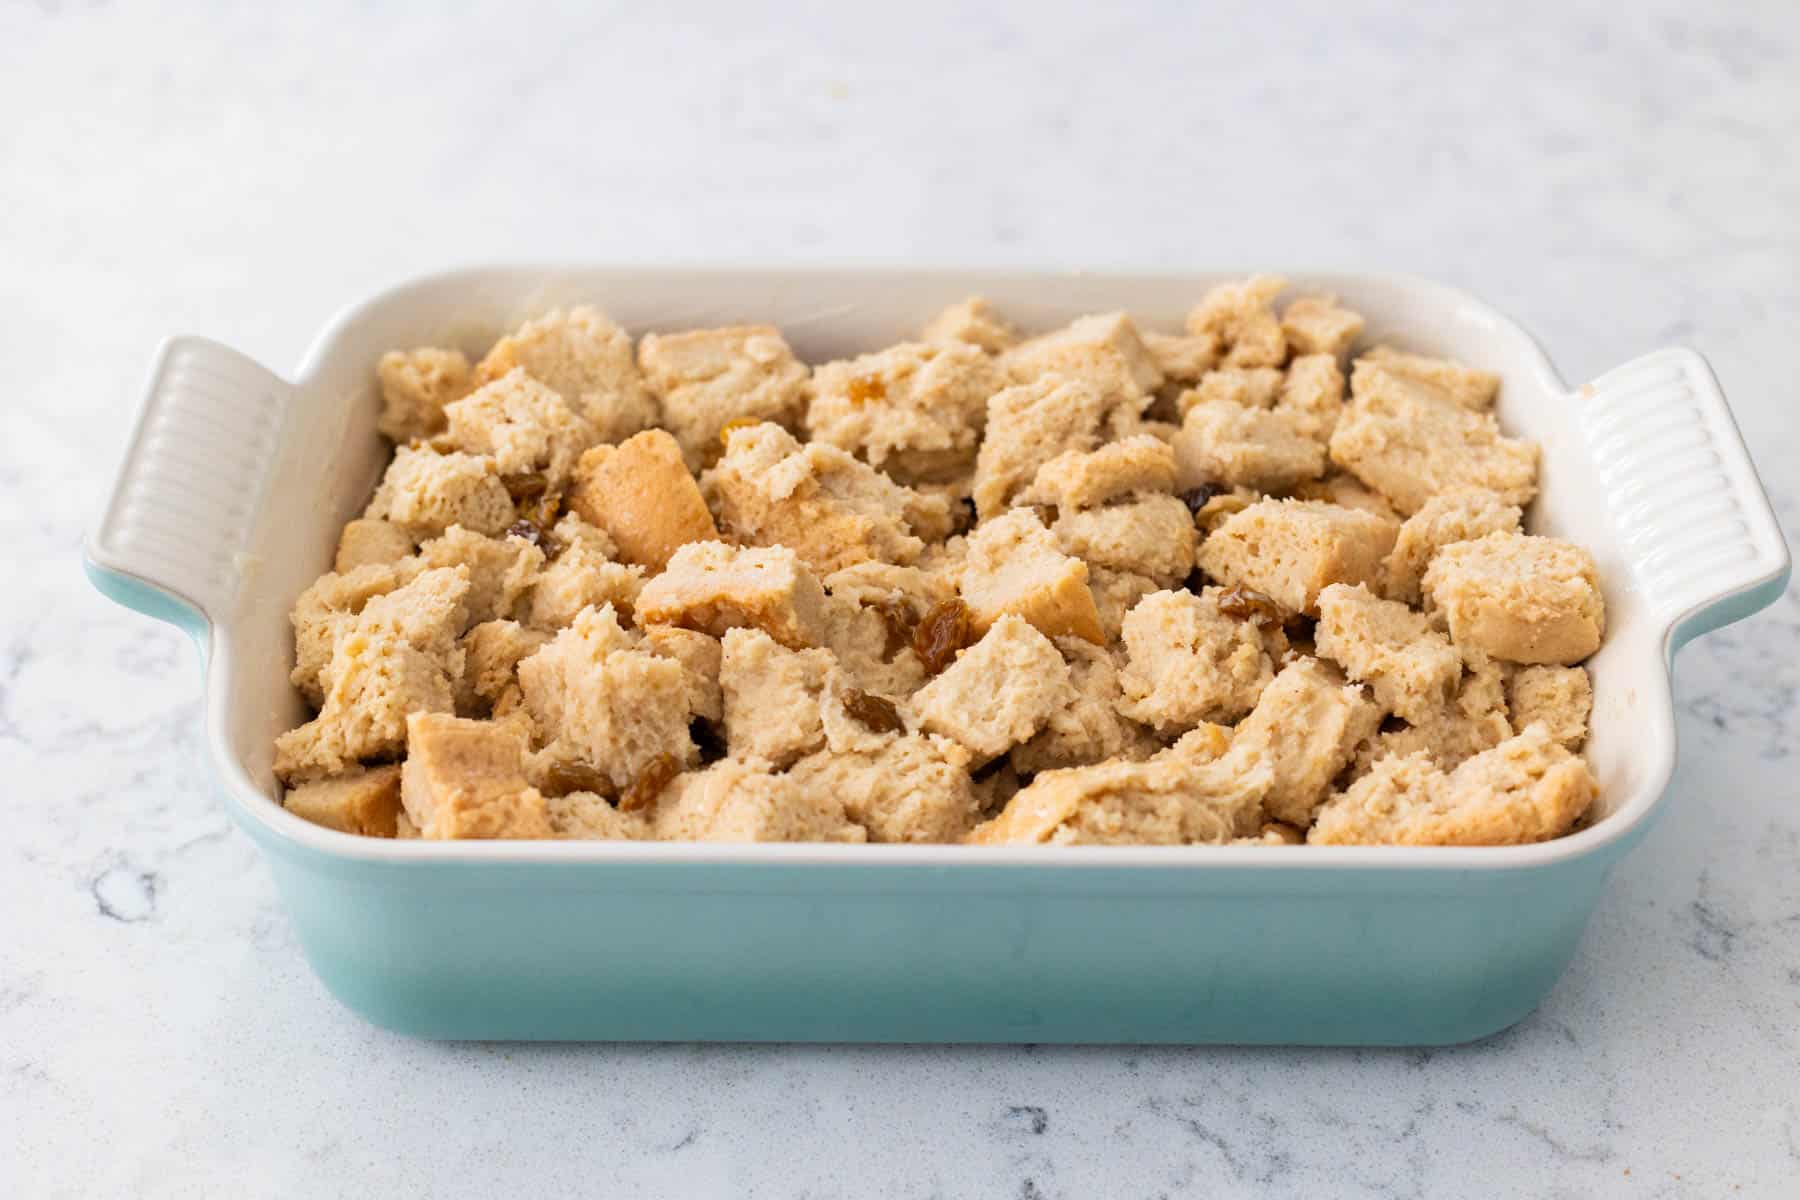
662, 941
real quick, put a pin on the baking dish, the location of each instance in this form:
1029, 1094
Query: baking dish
235, 483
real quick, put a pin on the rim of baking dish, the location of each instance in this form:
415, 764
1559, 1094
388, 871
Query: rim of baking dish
282, 830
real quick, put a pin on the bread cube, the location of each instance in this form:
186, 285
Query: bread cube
428, 612
1153, 536
363, 543
1115, 594
998, 692
466, 779
1319, 325
501, 570
733, 801
377, 679
1175, 798
1241, 316
424, 493
906, 788
1312, 396
582, 577
1472, 720
1457, 515
1014, 565
1291, 550
1092, 728
588, 816
1188, 662
1306, 727
416, 385
708, 378
1222, 442
1411, 668
364, 801
1471, 388
601, 700
327, 607
1079, 479
492, 652
1246, 387
641, 494
1030, 424
584, 358
914, 410
1103, 349
1409, 443
700, 657
1559, 698
771, 697
1519, 598
974, 322
1527, 789
828, 508
1183, 358
1347, 491
712, 587
523, 425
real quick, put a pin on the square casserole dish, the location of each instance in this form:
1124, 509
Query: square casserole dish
236, 481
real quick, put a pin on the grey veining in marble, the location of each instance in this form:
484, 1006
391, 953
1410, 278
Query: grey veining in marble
1618, 178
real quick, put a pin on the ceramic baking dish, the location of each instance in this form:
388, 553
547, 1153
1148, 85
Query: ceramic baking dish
236, 481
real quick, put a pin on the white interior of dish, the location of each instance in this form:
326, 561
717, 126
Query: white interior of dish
330, 456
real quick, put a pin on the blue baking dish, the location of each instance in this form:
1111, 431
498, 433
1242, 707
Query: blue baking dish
235, 482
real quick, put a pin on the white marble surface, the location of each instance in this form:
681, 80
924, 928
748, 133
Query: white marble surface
1617, 181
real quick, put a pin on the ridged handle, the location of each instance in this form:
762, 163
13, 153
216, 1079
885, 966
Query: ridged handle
1683, 493
186, 497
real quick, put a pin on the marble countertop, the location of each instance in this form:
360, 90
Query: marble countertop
1616, 184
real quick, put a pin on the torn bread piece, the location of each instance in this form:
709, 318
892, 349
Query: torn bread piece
1457, 515
771, 697
1187, 662
972, 321
1076, 479
1014, 565
705, 379
1103, 350
641, 494
830, 509
424, 493
1032, 423
1319, 325
712, 587
733, 801
466, 779
587, 360
526, 427
1291, 550
363, 800
1225, 443
1519, 598
1306, 728
998, 692
1559, 698
1241, 316
915, 410
1410, 667
1469, 387
1152, 535
1527, 789
900, 787
416, 386
1409, 442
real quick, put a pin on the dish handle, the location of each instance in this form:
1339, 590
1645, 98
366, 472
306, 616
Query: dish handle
171, 538
1697, 527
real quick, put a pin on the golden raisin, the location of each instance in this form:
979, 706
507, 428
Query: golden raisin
897, 619
563, 778
1244, 604
946, 629
529, 486
877, 713
732, 426
863, 388
650, 782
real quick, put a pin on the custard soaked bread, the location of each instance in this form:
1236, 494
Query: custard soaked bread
1241, 582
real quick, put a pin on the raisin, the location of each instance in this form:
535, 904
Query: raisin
946, 629
529, 486
877, 713
563, 778
537, 535
863, 388
545, 510
732, 426
650, 782
712, 746
896, 617
1245, 604
1196, 498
